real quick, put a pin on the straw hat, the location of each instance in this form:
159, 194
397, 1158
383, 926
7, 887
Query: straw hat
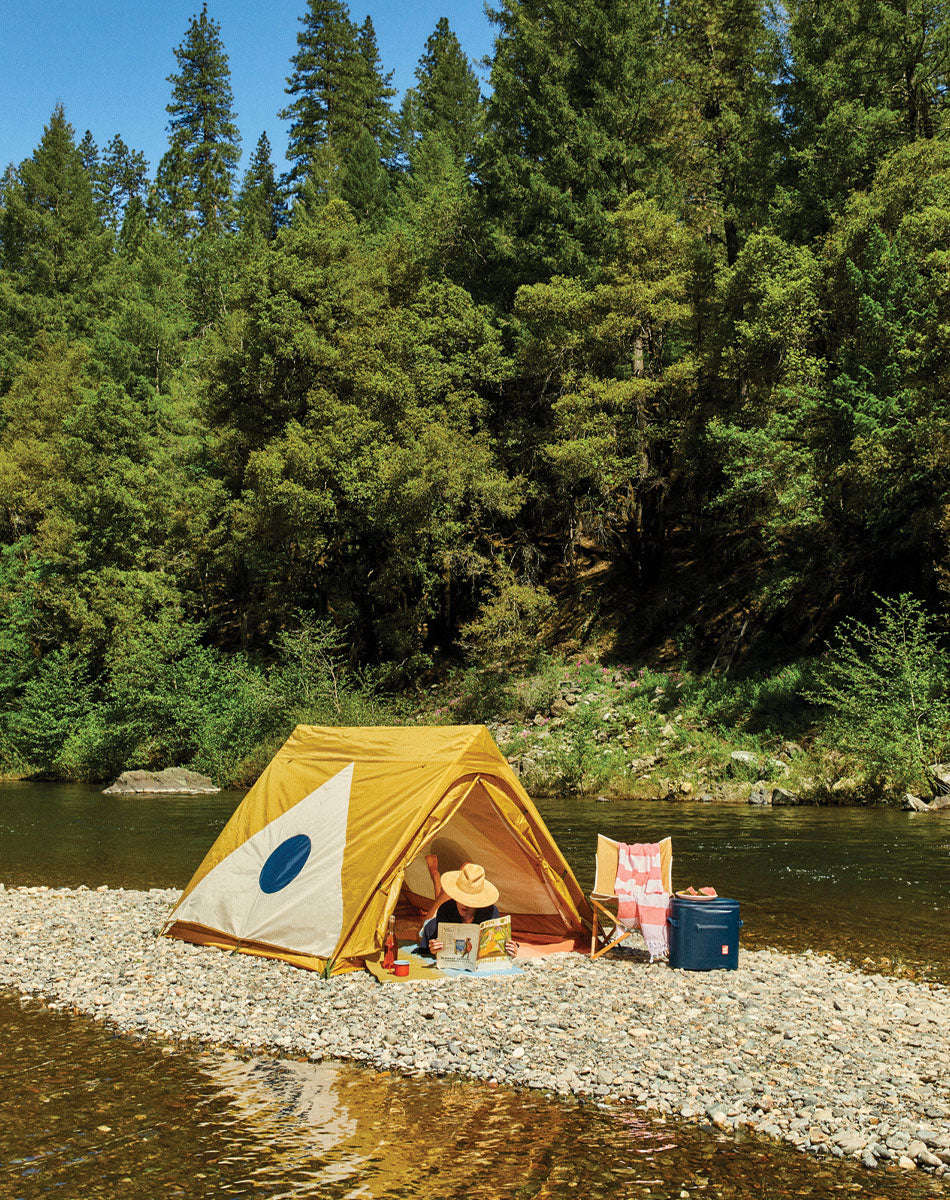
470, 887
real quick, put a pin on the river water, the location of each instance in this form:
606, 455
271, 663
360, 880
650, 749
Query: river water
86, 1114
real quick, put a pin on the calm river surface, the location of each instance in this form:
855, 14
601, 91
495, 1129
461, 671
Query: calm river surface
87, 1114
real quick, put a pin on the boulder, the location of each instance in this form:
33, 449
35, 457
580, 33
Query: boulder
173, 781
914, 803
939, 776
782, 798
760, 794
745, 757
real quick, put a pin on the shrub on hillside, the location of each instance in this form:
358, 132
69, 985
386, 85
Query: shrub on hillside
165, 699
509, 628
887, 691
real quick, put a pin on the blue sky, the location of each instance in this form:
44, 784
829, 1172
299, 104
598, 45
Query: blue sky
108, 62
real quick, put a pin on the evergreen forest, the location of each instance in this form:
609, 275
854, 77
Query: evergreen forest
635, 358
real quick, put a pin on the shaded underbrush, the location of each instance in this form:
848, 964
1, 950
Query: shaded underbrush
860, 724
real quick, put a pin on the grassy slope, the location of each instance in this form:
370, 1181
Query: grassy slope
578, 724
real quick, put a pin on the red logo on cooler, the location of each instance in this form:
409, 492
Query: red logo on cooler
725, 949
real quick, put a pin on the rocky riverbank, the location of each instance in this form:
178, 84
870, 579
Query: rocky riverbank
799, 1048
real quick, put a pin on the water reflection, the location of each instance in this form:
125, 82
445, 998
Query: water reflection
86, 1114
64, 835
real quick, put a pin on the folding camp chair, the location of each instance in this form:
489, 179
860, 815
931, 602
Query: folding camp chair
603, 895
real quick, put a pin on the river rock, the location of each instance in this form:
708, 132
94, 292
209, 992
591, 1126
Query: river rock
760, 794
782, 798
760, 1046
921, 1155
914, 803
850, 1142
173, 781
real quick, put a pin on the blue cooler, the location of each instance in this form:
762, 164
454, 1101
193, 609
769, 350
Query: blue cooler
704, 933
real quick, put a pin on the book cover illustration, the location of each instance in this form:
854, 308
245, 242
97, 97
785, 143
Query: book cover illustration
475, 947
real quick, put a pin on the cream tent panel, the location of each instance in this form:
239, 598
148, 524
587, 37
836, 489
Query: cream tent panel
284, 885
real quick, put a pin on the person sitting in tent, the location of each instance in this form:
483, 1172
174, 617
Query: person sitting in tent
470, 900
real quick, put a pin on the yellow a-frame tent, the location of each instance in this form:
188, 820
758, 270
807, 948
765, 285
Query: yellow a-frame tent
333, 836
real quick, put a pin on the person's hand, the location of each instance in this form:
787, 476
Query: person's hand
511, 948
435, 945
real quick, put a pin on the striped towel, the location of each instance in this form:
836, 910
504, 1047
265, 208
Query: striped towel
642, 900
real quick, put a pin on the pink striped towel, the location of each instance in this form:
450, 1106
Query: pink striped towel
642, 900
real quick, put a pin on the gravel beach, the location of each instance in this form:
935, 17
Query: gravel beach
795, 1047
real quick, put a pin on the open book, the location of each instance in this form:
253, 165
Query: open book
475, 947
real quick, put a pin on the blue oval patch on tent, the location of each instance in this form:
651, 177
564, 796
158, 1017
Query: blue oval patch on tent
284, 863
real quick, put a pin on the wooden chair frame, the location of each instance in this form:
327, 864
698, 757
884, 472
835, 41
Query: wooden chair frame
603, 895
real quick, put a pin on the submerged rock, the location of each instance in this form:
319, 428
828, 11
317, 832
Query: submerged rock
173, 781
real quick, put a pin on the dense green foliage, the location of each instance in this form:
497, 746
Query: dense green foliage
648, 351
887, 689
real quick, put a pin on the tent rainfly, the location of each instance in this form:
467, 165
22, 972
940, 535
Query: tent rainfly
334, 834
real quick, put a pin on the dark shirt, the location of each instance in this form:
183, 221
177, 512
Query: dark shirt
449, 914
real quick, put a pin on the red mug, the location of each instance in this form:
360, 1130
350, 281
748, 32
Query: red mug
401, 967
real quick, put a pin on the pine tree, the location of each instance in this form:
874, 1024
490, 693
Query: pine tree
170, 203
364, 184
862, 79
613, 362
723, 62
261, 208
447, 98
196, 175
89, 154
339, 88
569, 129
377, 118
121, 179
135, 225
324, 81
52, 246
